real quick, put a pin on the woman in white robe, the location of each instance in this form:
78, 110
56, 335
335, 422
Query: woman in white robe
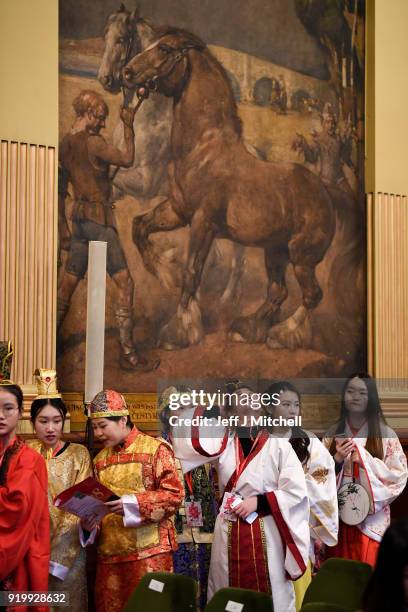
366, 449
274, 549
318, 466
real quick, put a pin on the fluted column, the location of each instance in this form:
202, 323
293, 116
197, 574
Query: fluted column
388, 300
28, 258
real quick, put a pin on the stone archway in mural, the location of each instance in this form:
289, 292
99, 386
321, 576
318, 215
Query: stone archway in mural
263, 91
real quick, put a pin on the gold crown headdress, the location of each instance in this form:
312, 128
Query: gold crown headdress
6, 358
46, 384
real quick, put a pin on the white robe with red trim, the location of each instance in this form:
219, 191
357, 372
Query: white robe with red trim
321, 489
277, 472
384, 480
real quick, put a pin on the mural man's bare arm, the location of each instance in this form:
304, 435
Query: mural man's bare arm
101, 150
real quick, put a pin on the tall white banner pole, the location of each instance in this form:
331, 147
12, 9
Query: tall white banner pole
95, 320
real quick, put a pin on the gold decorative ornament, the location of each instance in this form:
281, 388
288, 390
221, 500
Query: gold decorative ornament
46, 384
6, 358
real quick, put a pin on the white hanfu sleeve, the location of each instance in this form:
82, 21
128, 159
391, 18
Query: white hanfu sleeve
289, 506
384, 479
322, 492
196, 444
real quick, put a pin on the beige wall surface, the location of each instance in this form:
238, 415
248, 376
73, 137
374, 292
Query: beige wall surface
29, 71
370, 98
391, 96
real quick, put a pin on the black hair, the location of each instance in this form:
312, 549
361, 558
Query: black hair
375, 416
299, 439
16, 391
385, 591
10, 452
129, 422
15, 447
232, 386
55, 402
164, 418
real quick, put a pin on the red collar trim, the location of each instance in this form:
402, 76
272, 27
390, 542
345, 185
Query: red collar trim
195, 437
263, 438
128, 441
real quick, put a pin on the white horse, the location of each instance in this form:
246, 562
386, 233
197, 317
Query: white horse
126, 35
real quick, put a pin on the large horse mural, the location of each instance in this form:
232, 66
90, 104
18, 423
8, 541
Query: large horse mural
243, 225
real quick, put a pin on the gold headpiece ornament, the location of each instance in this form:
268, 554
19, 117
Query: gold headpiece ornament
164, 398
46, 384
234, 384
6, 358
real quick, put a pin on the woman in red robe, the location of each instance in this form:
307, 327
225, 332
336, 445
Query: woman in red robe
24, 516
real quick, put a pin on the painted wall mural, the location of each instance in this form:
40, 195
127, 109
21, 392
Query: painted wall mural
232, 201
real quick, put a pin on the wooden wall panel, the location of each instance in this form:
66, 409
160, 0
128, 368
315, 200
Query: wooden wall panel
388, 300
28, 269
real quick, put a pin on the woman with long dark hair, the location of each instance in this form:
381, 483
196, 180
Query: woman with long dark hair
371, 470
68, 464
24, 517
318, 467
387, 590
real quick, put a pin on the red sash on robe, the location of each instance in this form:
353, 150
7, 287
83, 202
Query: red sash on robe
247, 557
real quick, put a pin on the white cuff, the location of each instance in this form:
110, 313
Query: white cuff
91, 538
131, 511
58, 570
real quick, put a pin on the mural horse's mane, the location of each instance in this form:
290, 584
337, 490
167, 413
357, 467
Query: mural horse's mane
222, 191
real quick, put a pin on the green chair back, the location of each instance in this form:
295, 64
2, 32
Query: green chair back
163, 592
339, 582
320, 606
251, 601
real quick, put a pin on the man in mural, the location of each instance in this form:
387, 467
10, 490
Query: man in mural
85, 158
331, 149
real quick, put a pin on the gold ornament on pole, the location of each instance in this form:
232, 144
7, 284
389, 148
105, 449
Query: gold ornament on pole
46, 384
6, 358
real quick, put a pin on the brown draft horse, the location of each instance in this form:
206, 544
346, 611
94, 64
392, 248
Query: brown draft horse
222, 191
126, 33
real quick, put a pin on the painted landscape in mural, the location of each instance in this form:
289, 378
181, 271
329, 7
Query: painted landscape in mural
229, 188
